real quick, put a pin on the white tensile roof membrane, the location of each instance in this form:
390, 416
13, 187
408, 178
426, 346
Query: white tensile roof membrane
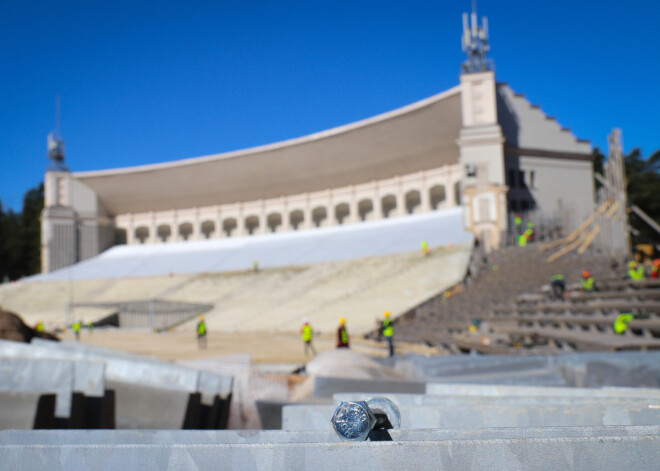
367, 239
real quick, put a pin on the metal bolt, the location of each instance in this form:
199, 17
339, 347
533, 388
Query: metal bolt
354, 420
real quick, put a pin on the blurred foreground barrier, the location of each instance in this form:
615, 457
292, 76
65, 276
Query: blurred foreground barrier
566, 448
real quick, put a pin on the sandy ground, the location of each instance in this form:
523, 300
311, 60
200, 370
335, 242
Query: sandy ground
264, 348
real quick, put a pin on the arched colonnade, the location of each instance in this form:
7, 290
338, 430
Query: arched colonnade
403, 195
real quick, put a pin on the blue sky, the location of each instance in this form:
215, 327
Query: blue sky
152, 81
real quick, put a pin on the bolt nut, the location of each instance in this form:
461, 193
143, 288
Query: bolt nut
353, 421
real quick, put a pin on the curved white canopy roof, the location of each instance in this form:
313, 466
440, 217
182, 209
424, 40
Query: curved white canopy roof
416, 137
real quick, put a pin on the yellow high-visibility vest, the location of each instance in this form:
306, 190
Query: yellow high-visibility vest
307, 333
388, 328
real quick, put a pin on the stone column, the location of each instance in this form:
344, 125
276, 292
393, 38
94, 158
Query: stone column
197, 230
130, 231
424, 198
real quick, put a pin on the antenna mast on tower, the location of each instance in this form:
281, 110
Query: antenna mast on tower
475, 43
56, 143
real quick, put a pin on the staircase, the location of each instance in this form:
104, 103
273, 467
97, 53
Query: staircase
504, 276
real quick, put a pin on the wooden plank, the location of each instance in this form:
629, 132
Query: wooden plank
565, 250
580, 229
589, 239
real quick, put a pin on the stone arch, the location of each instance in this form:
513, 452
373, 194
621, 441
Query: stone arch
142, 234
296, 218
120, 236
319, 214
365, 209
185, 230
388, 203
164, 232
457, 193
273, 221
208, 228
437, 195
342, 211
251, 224
413, 201
229, 225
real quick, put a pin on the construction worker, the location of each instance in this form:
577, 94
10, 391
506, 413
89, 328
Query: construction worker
517, 221
531, 232
558, 285
307, 335
522, 239
425, 247
655, 268
76, 329
588, 282
388, 332
40, 326
621, 322
201, 333
342, 334
636, 271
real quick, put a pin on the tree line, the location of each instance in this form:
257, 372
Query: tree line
642, 189
20, 237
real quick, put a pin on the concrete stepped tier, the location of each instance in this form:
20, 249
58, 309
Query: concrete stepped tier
526, 448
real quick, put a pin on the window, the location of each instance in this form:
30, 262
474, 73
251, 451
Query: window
521, 178
532, 175
512, 178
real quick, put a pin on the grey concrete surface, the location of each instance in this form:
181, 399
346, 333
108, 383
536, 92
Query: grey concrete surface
144, 407
625, 368
430, 400
475, 414
40, 376
326, 387
88, 376
26, 410
636, 450
486, 390
126, 367
246, 437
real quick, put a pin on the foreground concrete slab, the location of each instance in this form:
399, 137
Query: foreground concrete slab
326, 387
489, 413
588, 448
26, 410
144, 407
88, 376
443, 389
127, 368
42, 376
430, 400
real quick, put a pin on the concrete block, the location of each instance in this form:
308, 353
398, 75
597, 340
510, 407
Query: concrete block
326, 387
485, 390
270, 414
476, 414
26, 410
145, 407
605, 451
88, 376
40, 376
479, 401
251, 437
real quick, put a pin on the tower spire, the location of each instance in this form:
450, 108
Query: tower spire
475, 43
56, 143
